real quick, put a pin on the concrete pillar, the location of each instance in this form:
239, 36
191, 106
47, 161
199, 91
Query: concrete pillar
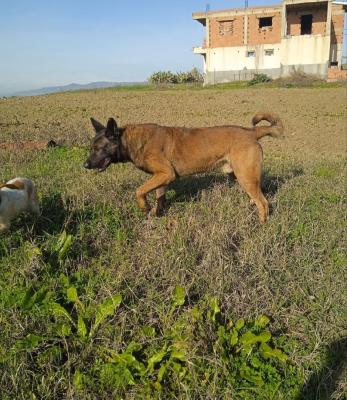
328, 30
328, 24
284, 20
245, 29
207, 32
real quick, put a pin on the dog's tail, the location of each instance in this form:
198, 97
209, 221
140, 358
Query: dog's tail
276, 128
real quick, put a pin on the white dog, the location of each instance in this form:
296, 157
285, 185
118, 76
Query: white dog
16, 196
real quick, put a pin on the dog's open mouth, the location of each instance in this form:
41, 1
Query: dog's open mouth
104, 164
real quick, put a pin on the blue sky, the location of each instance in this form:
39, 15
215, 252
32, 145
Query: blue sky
47, 43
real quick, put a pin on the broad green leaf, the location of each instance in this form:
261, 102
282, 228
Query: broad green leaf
78, 379
176, 366
178, 355
32, 251
58, 310
214, 309
250, 338
31, 297
196, 313
63, 330
262, 321
106, 309
161, 372
60, 242
264, 337
214, 305
128, 377
156, 358
133, 346
81, 327
251, 375
71, 294
240, 324
233, 337
179, 296
29, 342
148, 331
65, 248
64, 280
267, 352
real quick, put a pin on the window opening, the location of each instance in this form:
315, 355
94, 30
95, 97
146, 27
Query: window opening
226, 27
306, 24
265, 22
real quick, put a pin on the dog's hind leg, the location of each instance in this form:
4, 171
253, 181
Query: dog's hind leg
33, 200
257, 197
160, 196
228, 170
247, 167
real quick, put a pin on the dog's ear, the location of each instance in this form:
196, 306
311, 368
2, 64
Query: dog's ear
111, 128
97, 125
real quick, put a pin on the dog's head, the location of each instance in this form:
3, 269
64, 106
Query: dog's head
105, 148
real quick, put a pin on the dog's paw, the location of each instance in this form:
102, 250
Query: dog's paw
4, 228
156, 212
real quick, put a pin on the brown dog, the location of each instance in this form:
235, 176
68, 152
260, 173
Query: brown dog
171, 152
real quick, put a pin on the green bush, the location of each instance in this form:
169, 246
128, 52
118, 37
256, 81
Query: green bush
259, 78
168, 77
245, 357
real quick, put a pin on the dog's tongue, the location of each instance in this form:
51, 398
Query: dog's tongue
104, 164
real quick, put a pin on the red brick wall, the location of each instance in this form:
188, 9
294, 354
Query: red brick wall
232, 33
336, 74
337, 18
228, 39
319, 18
219, 38
266, 35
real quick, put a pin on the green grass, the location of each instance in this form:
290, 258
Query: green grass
96, 301
220, 86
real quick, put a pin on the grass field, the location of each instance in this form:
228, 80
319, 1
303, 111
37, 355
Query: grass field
99, 302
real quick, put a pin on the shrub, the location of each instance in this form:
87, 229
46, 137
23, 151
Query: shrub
168, 77
259, 78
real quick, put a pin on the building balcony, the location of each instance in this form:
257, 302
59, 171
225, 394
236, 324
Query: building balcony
199, 50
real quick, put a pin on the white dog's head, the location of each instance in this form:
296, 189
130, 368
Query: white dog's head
16, 196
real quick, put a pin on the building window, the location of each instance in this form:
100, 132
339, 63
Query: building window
226, 27
265, 22
250, 53
306, 24
269, 52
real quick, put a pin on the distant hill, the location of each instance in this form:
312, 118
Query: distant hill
75, 86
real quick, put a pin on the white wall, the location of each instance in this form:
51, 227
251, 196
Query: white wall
235, 59
305, 49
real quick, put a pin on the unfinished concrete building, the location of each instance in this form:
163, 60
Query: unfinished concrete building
297, 35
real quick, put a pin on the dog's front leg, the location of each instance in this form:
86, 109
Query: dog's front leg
159, 182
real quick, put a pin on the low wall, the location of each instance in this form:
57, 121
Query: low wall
335, 75
213, 77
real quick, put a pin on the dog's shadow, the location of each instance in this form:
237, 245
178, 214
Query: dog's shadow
53, 215
189, 188
323, 383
